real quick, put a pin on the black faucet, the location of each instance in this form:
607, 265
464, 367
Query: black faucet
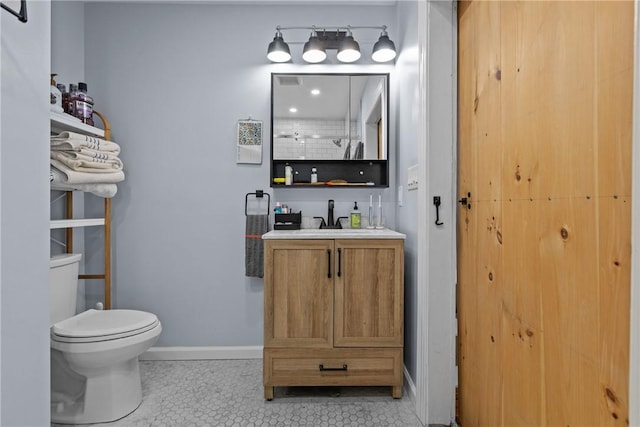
330, 223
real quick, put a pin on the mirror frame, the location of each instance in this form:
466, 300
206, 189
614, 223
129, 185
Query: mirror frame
338, 172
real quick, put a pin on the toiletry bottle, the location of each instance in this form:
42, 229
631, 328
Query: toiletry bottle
65, 95
288, 174
83, 104
56, 96
68, 105
355, 216
314, 175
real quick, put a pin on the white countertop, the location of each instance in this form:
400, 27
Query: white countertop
343, 233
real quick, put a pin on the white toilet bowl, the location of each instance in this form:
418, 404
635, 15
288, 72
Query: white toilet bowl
94, 364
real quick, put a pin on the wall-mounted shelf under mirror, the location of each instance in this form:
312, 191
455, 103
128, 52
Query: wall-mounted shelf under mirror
345, 173
337, 123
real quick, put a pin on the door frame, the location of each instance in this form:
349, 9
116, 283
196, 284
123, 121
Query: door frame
634, 344
435, 368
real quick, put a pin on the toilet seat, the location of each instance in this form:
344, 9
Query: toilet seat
103, 325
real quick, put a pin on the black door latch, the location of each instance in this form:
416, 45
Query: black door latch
436, 202
466, 201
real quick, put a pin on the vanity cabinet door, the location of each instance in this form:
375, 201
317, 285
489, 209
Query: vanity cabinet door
298, 293
369, 288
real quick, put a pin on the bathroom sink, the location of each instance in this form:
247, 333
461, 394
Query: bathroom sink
339, 233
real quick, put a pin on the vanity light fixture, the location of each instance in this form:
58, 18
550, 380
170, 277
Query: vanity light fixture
278, 50
313, 50
384, 50
349, 50
326, 38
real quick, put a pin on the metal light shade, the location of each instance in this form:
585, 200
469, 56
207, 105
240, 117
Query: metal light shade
313, 51
349, 50
384, 50
278, 50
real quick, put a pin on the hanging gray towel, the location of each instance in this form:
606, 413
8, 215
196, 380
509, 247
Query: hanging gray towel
257, 225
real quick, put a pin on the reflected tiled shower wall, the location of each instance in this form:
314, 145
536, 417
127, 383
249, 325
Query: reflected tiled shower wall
312, 139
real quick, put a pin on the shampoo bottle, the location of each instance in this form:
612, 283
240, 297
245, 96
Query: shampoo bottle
355, 216
288, 174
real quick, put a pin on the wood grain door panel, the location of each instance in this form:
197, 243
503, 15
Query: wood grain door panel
544, 127
368, 293
299, 287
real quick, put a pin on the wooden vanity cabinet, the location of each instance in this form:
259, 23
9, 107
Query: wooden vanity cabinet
333, 313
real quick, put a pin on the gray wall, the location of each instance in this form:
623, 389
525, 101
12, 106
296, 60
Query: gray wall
406, 83
67, 41
24, 218
174, 80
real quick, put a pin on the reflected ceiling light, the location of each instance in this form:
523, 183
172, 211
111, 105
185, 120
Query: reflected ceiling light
384, 50
313, 50
315, 91
331, 38
349, 50
278, 50
293, 110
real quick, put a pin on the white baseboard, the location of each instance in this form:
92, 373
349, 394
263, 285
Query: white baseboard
202, 353
409, 386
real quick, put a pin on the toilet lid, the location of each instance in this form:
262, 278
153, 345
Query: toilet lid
94, 325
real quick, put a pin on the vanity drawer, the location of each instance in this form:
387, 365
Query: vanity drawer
333, 367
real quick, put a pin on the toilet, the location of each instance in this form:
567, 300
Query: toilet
95, 375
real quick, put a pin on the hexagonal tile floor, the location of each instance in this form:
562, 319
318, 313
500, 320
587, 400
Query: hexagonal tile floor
217, 393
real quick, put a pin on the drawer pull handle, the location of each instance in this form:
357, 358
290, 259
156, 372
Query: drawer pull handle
329, 263
343, 368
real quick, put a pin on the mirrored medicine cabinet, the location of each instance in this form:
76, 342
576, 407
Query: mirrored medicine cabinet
335, 123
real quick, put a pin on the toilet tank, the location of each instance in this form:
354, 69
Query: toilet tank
63, 286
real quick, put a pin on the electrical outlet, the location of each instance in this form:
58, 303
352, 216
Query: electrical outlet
412, 177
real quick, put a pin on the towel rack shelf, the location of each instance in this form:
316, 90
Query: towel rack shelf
61, 123
72, 223
66, 122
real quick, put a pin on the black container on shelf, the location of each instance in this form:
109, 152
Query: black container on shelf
288, 221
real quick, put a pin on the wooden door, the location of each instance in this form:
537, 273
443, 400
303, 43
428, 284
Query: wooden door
369, 293
298, 293
544, 241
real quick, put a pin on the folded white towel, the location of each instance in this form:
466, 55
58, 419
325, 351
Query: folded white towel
106, 155
82, 163
89, 156
78, 177
75, 141
101, 190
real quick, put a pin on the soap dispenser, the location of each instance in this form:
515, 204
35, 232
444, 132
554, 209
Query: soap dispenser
355, 216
